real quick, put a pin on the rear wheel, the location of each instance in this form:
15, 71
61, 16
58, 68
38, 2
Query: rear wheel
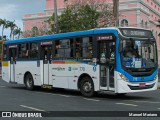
29, 83
87, 87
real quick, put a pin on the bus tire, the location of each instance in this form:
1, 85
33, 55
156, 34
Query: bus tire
29, 83
87, 87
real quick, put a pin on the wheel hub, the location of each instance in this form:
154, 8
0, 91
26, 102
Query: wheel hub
87, 87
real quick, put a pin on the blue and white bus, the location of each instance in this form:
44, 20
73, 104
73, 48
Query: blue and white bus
121, 60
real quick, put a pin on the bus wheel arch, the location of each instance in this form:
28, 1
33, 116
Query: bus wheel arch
28, 81
86, 85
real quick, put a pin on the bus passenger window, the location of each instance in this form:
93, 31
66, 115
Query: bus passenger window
33, 50
4, 52
84, 47
64, 49
23, 51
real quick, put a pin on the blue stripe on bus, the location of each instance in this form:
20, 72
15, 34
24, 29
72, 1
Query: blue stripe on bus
64, 35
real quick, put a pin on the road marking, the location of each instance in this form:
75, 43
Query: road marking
2, 86
91, 99
142, 101
54, 94
126, 104
158, 108
31, 108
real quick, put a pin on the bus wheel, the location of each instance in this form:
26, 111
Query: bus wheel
29, 82
87, 87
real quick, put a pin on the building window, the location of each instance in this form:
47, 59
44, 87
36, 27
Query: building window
146, 25
124, 23
142, 23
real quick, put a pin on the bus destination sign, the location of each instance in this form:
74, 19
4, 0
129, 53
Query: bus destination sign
105, 37
136, 33
46, 43
12, 46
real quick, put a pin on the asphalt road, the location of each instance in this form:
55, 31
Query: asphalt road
16, 98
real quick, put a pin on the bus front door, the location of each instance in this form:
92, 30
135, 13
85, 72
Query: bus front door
47, 58
12, 57
107, 64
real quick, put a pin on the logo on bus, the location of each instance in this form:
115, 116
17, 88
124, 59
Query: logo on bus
59, 69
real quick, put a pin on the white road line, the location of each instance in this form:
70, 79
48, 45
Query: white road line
91, 99
31, 108
126, 104
54, 94
141, 101
2, 86
158, 108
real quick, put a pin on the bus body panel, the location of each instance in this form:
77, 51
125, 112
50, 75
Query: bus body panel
6, 71
67, 75
23, 67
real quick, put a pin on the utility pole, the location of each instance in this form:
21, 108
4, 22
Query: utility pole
116, 11
55, 15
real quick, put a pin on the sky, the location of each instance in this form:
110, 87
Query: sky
15, 10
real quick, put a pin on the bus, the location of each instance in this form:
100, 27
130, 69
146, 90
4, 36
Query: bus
121, 60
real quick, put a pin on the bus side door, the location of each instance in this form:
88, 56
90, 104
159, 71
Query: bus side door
46, 56
107, 64
12, 58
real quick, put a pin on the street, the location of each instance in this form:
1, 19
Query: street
16, 98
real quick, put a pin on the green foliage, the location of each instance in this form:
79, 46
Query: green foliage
83, 17
75, 19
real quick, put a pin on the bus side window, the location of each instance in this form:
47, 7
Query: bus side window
84, 47
64, 48
33, 50
23, 51
4, 52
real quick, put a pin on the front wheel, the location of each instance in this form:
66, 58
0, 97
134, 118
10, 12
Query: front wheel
87, 87
29, 82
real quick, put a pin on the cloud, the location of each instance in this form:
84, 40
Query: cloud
7, 11
15, 10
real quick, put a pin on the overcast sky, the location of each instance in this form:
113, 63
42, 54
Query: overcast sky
15, 9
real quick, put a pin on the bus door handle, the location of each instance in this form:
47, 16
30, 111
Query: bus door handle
53, 75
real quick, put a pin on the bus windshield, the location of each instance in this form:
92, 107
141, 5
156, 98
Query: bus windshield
138, 53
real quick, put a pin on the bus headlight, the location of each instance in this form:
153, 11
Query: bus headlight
124, 77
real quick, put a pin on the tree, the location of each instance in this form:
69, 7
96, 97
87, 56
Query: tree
84, 15
34, 31
3, 23
18, 32
12, 26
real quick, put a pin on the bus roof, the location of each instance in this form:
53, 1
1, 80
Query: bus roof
65, 35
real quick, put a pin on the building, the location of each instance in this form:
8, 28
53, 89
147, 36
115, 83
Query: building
133, 13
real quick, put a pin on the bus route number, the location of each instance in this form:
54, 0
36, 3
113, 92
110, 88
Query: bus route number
82, 68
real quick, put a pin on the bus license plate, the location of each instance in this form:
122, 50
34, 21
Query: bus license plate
142, 85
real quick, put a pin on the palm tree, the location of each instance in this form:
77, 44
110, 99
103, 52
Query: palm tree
12, 26
17, 31
3, 23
